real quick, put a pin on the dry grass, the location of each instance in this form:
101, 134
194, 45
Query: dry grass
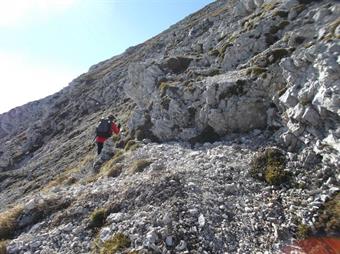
140, 165
117, 243
328, 221
67, 177
3, 246
8, 222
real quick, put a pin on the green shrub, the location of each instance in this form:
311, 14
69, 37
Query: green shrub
303, 231
269, 166
97, 218
275, 174
117, 243
140, 165
8, 222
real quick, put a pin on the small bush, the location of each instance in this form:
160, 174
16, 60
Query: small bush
303, 231
8, 222
268, 166
275, 174
140, 165
117, 243
97, 218
3, 247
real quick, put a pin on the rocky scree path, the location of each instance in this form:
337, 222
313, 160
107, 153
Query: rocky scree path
196, 200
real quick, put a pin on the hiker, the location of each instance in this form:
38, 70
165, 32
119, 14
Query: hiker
104, 130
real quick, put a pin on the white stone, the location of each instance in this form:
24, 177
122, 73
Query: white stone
201, 221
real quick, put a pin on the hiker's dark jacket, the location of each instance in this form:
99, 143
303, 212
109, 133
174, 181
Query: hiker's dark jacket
114, 129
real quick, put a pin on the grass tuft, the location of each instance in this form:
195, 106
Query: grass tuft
140, 165
131, 145
117, 243
3, 247
303, 231
97, 218
8, 222
328, 221
269, 166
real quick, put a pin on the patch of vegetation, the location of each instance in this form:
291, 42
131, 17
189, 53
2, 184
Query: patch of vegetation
118, 156
269, 166
140, 165
281, 13
8, 222
115, 170
214, 52
97, 218
131, 145
164, 86
330, 35
275, 174
3, 247
255, 71
328, 221
118, 242
303, 231
134, 252
299, 8
277, 54
66, 176
228, 43
269, 6
111, 168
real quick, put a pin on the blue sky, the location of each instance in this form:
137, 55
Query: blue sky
44, 44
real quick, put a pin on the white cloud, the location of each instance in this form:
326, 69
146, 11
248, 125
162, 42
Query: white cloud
18, 12
21, 81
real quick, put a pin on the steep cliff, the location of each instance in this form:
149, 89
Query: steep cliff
231, 125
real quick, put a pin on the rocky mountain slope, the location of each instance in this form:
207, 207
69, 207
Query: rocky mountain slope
231, 125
